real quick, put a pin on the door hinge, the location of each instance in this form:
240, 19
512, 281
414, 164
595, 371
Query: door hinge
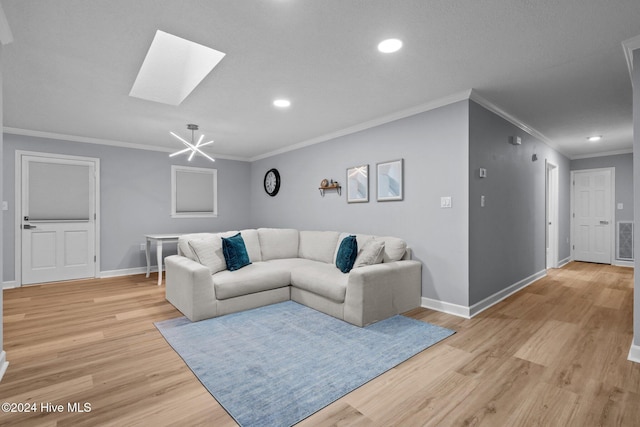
95, 216
94, 258
574, 247
574, 214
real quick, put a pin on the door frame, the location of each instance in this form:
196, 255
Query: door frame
18, 205
613, 209
551, 213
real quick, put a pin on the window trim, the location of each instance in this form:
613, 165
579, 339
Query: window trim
214, 175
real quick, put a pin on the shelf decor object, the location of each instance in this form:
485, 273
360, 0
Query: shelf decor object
192, 147
390, 180
358, 184
327, 185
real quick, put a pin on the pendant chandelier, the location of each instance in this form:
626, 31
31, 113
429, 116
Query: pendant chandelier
192, 147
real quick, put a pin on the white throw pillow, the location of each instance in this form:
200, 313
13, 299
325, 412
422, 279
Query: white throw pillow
394, 248
252, 243
209, 253
371, 253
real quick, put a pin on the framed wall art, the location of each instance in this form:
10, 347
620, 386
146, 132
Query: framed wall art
358, 184
390, 180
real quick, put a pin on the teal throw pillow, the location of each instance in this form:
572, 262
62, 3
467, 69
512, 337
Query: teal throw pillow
347, 253
235, 252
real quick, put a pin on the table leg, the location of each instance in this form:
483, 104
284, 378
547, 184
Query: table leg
148, 254
159, 256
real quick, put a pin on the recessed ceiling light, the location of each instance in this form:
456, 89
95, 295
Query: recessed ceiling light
390, 45
282, 103
594, 138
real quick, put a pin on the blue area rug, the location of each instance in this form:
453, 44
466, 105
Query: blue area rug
276, 365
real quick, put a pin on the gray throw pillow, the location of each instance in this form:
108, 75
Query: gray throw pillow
371, 253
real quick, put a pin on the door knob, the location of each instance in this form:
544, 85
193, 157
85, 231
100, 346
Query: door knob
604, 222
28, 226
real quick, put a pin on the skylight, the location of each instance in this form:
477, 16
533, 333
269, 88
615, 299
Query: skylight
172, 68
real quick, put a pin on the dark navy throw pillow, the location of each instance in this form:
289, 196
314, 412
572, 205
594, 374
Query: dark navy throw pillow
235, 252
347, 253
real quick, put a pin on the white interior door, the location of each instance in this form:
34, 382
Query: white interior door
592, 204
58, 219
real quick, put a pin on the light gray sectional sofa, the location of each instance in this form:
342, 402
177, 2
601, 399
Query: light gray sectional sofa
297, 265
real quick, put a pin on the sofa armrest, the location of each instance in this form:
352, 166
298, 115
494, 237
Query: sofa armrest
379, 291
189, 287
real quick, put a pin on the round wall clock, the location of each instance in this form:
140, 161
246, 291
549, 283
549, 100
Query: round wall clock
272, 182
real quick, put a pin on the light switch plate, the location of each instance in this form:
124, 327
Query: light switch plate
483, 173
445, 202
5, 206
620, 206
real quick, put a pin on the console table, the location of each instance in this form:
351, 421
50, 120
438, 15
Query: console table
159, 239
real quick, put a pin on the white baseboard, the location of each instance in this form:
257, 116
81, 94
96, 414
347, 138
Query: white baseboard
10, 284
446, 307
505, 293
3, 364
564, 262
634, 353
126, 272
621, 263
469, 312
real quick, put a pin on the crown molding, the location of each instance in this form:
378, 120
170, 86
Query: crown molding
460, 96
6, 36
476, 97
109, 142
602, 154
629, 46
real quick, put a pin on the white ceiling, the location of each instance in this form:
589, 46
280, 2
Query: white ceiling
557, 66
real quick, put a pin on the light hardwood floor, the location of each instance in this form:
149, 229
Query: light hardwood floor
553, 354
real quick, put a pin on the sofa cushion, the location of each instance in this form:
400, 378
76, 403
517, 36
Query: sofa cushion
290, 263
252, 243
371, 253
278, 243
347, 254
321, 279
235, 253
318, 245
394, 248
183, 242
208, 252
256, 277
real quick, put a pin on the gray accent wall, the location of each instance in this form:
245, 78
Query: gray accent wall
434, 146
135, 197
623, 163
507, 236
